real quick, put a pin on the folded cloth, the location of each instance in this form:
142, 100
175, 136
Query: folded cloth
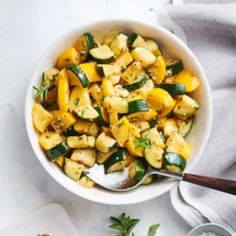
210, 31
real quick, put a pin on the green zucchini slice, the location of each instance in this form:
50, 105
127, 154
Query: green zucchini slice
152, 46
173, 66
106, 70
101, 118
174, 162
153, 156
73, 169
84, 44
59, 150
185, 107
119, 44
173, 89
138, 83
135, 40
137, 106
87, 112
70, 132
102, 54
148, 180
80, 75
105, 143
115, 162
184, 126
137, 170
143, 55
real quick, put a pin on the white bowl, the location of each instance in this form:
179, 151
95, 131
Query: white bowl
213, 228
169, 42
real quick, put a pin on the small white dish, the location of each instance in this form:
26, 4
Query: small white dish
51, 218
169, 42
215, 229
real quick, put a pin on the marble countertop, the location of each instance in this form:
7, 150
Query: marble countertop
27, 28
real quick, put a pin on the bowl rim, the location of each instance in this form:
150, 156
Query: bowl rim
130, 21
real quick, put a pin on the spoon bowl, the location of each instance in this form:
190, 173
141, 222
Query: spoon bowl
120, 181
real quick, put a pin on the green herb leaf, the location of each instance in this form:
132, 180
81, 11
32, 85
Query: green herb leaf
43, 77
41, 92
124, 224
142, 142
77, 101
153, 229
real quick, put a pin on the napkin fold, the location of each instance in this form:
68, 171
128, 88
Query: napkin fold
210, 31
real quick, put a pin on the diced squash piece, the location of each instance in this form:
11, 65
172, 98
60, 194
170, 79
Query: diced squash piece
105, 143
161, 122
116, 104
133, 149
60, 161
161, 101
106, 130
120, 91
144, 56
96, 93
62, 120
120, 131
170, 127
73, 169
145, 115
113, 118
176, 143
115, 79
124, 60
82, 141
145, 89
63, 95
87, 112
86, 182
154, 137
49, 78
141, 125
185, 107
41, 117
132, 72
107, 88
133, 130
67, 58
102, 157
90, 69
85, 156
158, 70
79, 97
190, 81
49, 139
86, 127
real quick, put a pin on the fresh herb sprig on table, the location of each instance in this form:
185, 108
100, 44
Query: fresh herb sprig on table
125, 225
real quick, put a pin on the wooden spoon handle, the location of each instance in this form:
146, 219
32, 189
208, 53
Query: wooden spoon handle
224, 185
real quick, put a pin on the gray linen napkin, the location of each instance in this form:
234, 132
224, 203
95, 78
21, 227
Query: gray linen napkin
210, 31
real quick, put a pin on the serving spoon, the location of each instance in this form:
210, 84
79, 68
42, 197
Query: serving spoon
120, 181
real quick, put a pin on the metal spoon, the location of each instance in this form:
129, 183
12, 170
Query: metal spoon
120, 181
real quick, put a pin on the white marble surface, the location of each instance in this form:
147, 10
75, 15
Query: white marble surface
27, 28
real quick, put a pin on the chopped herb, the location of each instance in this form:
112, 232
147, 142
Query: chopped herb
142, 142
43, 77
77, 101
41, 92
153, 229
47, 137
124, 224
